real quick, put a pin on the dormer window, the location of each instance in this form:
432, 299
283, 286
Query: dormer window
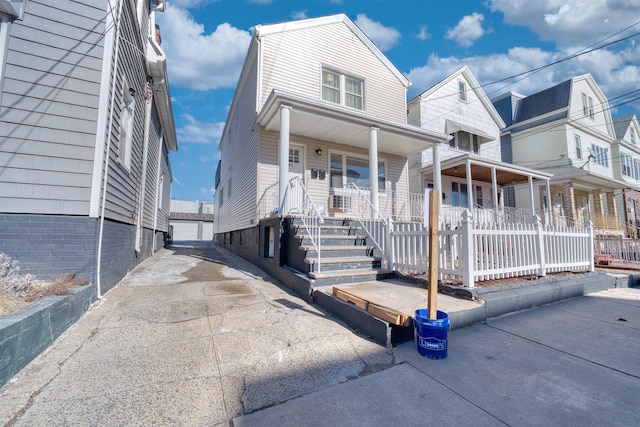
342, 89
462, 91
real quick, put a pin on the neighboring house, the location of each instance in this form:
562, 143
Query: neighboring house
567, 131
473, 174
318, 118
86, 125
625, 154
191, 220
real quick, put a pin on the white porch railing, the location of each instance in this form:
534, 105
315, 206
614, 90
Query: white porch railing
301, 205
370, 218
474, 251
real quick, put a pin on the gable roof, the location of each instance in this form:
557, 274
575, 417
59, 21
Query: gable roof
621, 124
265, 30
475, 87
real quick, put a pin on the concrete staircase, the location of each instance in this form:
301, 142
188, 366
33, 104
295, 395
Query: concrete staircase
346, 255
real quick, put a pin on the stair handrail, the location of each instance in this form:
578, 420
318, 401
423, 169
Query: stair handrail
376, 228
302, 206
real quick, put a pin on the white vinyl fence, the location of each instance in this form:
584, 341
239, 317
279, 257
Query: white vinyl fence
474, 251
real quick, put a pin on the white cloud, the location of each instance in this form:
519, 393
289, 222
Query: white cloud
299, 15
384, 37
613, 71
207, 192
190, 4
197, 60
468, 30
570, 22
199, 132
423, 34
259, 1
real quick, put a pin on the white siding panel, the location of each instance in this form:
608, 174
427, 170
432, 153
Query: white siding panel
293, 60
239, 163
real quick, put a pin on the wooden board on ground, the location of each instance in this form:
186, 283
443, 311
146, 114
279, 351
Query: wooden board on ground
385, 313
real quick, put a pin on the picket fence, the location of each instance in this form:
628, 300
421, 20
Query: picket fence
474, 251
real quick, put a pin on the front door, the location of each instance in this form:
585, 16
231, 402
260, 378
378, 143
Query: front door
296, 169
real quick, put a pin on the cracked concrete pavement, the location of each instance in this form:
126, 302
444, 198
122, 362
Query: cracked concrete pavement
199, 337
193, 336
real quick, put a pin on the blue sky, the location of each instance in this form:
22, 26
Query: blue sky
206, 41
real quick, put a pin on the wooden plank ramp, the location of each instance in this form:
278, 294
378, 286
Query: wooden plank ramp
387, 314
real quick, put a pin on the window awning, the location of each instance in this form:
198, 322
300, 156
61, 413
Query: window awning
452, 127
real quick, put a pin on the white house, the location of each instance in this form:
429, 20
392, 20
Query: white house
625, 154
473, 174
319, 103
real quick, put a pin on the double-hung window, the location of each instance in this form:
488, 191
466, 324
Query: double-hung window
462, 91
578, 143
636, 167
342, 89
587, 105
627, 169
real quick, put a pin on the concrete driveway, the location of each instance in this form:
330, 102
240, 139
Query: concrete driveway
198, 337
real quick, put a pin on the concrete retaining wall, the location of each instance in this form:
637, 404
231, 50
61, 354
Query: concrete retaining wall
24, 335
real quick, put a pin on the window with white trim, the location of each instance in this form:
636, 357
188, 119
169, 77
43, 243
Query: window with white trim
636, 167
578, 143
342, 89
345, 169
465, 141
462, 91
627, 165
587, 105
126, 126
632, 134
459, 194
600, 155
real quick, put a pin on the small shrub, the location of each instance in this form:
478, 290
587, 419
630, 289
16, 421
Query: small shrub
18, 289
59, 285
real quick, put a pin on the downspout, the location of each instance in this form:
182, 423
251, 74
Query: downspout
148, 95
158, 190
105, 176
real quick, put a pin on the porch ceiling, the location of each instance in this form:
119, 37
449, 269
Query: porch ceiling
506, 173
331, 123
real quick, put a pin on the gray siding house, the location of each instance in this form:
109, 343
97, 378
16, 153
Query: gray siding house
86, 126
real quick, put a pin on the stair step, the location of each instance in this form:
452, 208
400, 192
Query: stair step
349, 273
337, 248
339, 260
334, 237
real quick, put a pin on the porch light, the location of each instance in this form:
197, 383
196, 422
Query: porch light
319, 151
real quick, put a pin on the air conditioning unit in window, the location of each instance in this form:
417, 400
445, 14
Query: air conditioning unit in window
340, 202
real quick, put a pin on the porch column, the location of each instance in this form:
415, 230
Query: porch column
531, 198
373, 166
494, 187
283, 158
469, 188
549, 203
437, 174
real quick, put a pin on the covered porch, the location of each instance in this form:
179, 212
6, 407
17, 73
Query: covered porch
341, 148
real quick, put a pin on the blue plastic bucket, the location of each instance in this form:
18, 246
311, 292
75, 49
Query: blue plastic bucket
432, 335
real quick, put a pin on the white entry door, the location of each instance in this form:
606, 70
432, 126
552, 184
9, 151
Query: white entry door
296, 169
